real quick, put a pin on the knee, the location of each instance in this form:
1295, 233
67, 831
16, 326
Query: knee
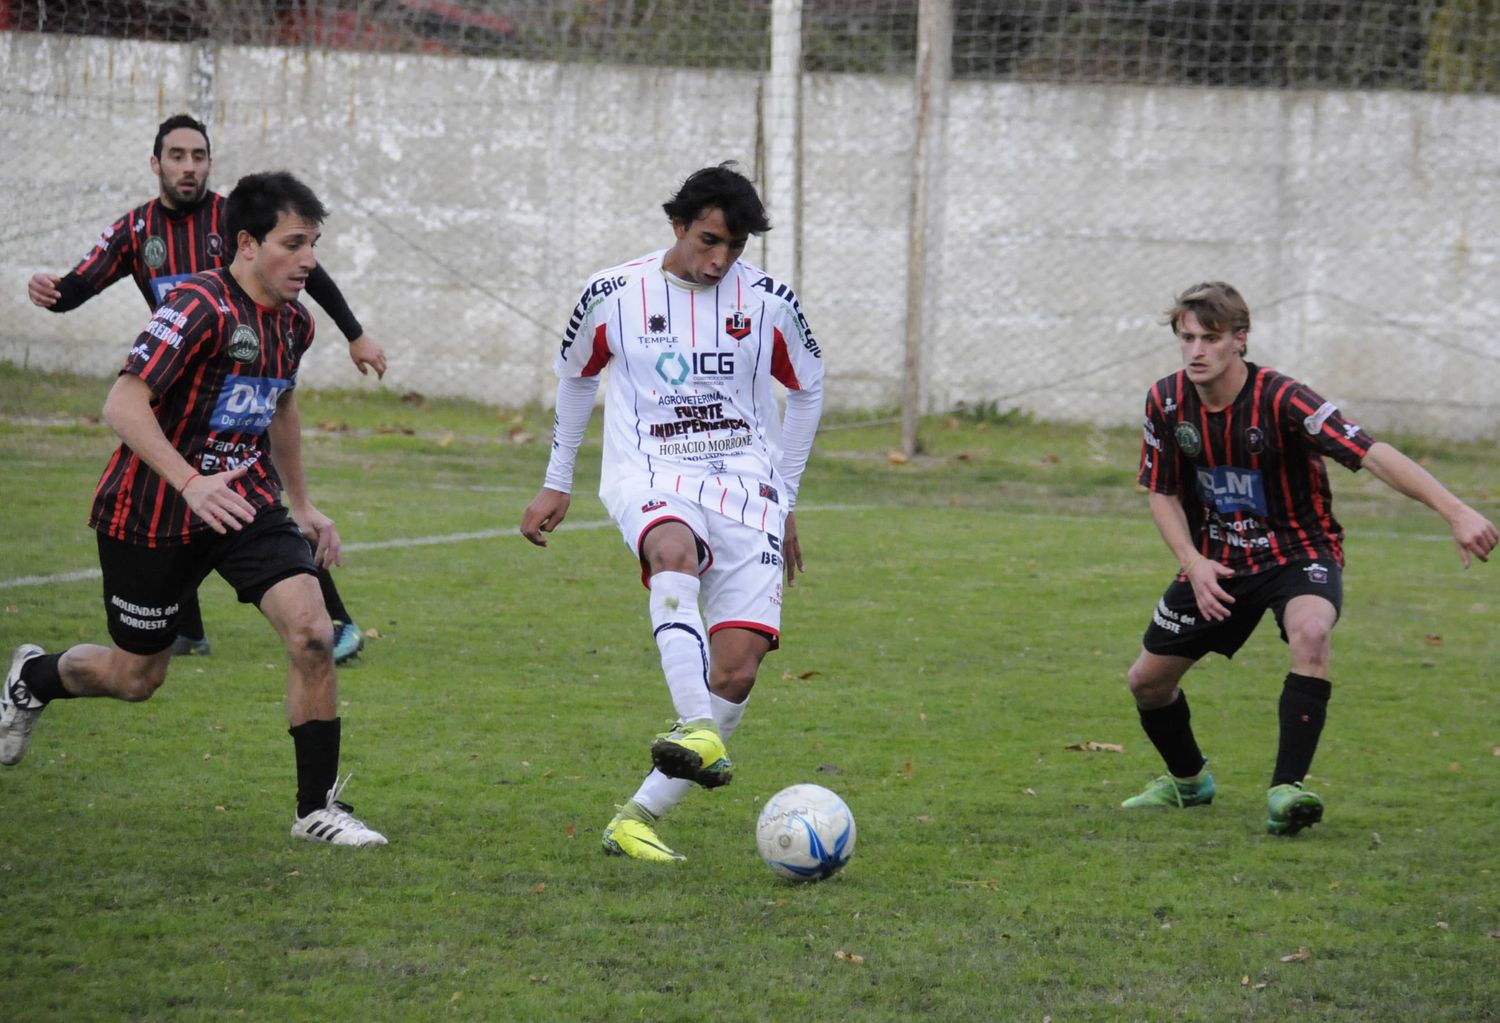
1150, 689
137, 678
733, 682
1310, 641
310, 637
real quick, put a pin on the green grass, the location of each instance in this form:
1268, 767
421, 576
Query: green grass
964, 618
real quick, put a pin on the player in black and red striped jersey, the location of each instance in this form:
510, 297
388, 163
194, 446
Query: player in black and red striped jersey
1233, 457
206, 394
160, 244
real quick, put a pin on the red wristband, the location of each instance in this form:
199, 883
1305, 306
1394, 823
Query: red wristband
187, 481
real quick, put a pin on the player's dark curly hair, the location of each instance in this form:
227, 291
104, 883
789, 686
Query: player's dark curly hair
174, 122
720, 188
1218, 306
259, 200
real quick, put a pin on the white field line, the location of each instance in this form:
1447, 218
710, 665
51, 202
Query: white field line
85, 574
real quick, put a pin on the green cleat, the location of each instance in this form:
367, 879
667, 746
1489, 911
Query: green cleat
1180, 792
1291, 808
626, 836
694, 752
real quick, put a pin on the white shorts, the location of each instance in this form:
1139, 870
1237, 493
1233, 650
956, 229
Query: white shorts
739, 566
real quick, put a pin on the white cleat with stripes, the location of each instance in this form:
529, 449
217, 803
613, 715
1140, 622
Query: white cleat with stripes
336, 824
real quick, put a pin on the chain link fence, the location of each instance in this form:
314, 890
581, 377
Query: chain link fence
997, 228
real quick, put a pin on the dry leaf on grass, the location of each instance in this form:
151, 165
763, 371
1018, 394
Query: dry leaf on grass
538, 888
803, 675
1096, 747
1433, 639
1302, 955
896, 457
849, 957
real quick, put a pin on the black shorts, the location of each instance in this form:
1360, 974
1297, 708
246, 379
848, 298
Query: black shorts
144, 586
1177, 630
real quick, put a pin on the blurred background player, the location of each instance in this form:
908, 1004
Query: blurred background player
1233, 458
161, 243
699, 472
206, 393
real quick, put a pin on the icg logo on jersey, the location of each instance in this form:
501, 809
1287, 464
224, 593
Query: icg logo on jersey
675, 369
247, 404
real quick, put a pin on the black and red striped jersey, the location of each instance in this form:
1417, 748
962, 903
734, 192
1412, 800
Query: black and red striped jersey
158, 246
217, 364
1251, 476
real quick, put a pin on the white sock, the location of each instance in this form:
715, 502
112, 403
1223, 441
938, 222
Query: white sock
658, 793
683, 642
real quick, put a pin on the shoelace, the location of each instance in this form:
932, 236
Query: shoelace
344, 812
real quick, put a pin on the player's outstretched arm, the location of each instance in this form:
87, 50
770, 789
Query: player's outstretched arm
366, 355
1473, 533
42, 289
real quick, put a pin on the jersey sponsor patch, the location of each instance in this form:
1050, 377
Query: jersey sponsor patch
161, 287
246, 404
244, 343
154, 252
1314, 422
1188, 440
1233, 491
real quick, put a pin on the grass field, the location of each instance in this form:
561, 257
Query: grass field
965, 617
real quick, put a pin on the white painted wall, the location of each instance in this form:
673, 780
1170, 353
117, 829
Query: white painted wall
470, 198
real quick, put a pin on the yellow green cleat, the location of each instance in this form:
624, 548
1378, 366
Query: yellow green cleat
1168, 791
694, 752
626, 836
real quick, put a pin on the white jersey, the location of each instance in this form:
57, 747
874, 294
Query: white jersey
690, 406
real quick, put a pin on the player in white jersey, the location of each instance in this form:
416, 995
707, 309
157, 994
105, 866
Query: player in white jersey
699, 471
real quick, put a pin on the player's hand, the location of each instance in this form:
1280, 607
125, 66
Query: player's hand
367, 355
791, 550
544, 514
1474, 535
1213, 600
214, 501
328, 549
42, 289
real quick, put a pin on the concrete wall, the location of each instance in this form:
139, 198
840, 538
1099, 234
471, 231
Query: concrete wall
470, 198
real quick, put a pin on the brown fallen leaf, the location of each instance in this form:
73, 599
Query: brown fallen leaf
1096, 747
1302, 955
1433, 639
372, 634
538, 888
571, 831
896, 457
1442, 925
923, 818
1029, 792
849, 957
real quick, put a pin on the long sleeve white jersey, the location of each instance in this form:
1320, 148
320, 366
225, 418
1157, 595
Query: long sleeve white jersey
690, 406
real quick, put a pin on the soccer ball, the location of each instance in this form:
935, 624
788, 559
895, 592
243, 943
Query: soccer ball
805, 833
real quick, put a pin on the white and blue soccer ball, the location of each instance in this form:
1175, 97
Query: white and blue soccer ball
805, 833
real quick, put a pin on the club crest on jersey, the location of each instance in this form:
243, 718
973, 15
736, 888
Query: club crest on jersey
656, 323
1188, 440
737, 326
244, 344
215, 244
651, 506
1316, 573
1255, 440
154, 252
769, 493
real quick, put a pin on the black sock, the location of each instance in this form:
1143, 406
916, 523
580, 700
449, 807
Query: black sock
190, 618
1170, 730
335, 604
1303, 709
44, 679
317, 747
